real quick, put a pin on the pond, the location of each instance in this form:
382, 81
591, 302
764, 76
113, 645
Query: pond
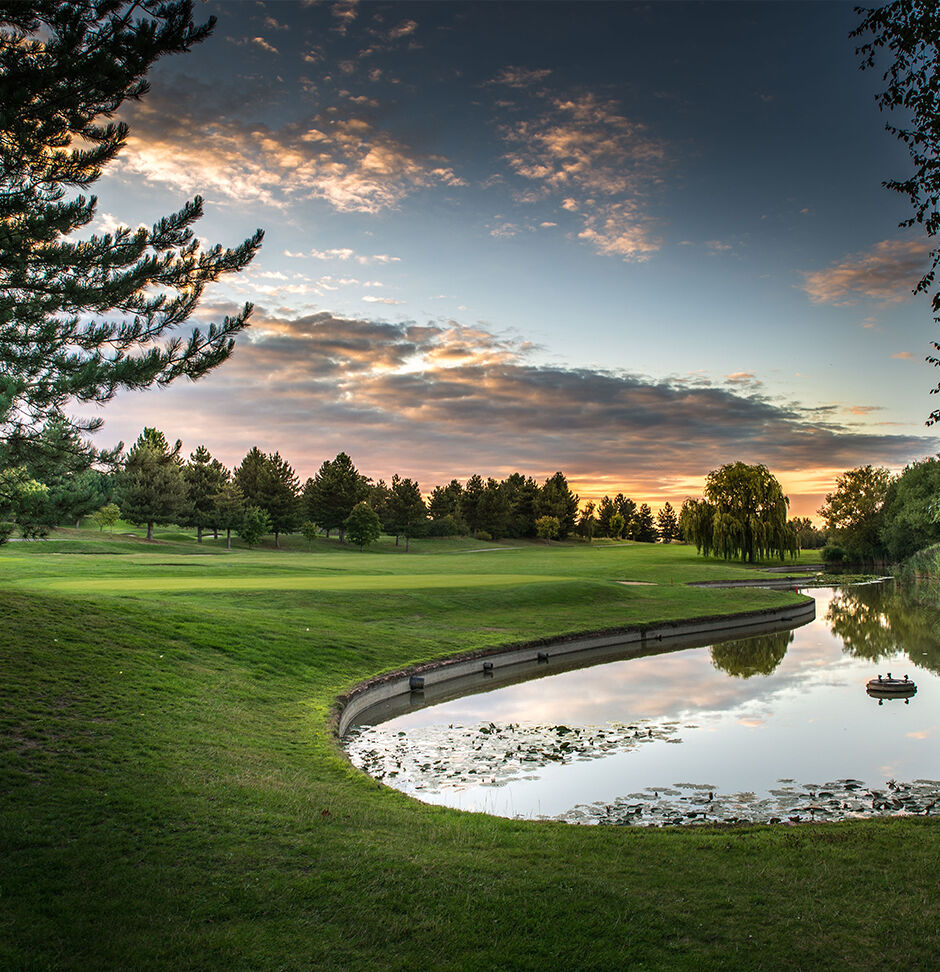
770, 728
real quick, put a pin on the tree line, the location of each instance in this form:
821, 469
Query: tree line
870, 516
154, 484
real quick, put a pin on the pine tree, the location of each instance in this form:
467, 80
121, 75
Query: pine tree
230, 508
667, 523
406, 513
203, 476
82, 319
626, 507
150, 488
281, 501
556, 499
330, 496
470, 503
605, 513
644, 530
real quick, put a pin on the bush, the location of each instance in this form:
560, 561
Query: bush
833, 554
483, 535
446, 526
5, 530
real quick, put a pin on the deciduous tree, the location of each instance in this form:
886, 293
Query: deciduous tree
744, 514
852, 511
363, 525
908, 32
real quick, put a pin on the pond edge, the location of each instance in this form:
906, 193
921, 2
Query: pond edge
390, 684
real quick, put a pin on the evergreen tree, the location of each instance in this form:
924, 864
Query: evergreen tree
229, 503
605, 512
203, 477
444, 501
331, 495
523, 499
644, 530
150, 488
627, 509
281, 499
406, 514
81, 319
494, 510
667, 523
556, 499
587, 523
470, 503
251, 476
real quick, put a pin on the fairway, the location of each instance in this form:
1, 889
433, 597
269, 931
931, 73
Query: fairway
293, 582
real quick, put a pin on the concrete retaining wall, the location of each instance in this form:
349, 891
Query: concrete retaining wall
443, 678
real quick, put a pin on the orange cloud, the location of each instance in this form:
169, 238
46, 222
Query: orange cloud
440, 400
339, 156
600, 162
888, 272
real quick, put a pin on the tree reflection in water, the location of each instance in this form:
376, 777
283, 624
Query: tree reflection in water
876, 621
745, 657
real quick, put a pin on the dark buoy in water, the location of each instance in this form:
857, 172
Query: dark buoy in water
891, 688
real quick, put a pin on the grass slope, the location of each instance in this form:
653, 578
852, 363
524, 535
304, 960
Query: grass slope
171, 796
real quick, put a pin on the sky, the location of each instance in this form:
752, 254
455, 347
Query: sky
629, 241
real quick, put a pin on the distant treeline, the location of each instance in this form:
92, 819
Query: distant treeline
870, 515
154, 484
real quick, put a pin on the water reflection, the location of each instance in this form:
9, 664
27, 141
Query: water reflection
745, 657
673, 738
879, 621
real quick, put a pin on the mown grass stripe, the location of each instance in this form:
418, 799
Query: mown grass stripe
290, 582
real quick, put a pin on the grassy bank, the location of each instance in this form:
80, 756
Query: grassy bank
171, 796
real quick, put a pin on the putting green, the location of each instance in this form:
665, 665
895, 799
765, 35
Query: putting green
290, 582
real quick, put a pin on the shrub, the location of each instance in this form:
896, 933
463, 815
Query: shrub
483, 535
833, 554
446, 526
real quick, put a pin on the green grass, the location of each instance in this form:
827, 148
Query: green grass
171, 795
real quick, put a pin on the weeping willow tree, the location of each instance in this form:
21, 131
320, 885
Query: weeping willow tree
743, 515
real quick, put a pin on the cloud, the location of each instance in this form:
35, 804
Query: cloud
888, 273
370, 299
405, 29
344, 14
264, 45
904, 355
517, 77
440, 400
346, 253
597, 162
339, 156
744, 379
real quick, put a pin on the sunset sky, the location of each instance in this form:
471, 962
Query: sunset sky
628, 241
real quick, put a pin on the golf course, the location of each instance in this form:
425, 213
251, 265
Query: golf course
173, 794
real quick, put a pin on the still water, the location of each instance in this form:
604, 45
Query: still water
773, 727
